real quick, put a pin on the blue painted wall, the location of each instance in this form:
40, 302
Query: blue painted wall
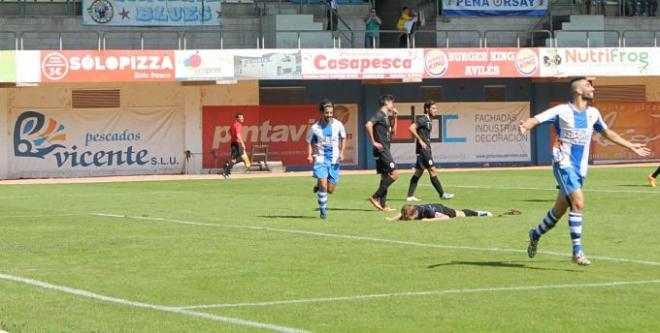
540, 95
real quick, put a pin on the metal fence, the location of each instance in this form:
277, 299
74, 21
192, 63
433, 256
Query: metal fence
220, 39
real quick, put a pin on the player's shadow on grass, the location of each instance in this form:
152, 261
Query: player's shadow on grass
350, 209
634, 185
537, 200
498, 264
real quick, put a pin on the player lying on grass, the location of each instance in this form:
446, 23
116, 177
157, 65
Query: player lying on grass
435, 212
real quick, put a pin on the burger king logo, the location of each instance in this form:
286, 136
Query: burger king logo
436, 62
527, 62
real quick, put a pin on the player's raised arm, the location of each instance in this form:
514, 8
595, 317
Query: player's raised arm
395, 114
638, 148
528, 124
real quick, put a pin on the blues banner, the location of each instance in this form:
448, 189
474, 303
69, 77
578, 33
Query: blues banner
494, 7
152, 12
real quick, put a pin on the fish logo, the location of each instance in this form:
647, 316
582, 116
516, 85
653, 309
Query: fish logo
37, 136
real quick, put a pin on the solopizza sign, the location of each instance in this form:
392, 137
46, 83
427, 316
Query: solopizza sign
107, 66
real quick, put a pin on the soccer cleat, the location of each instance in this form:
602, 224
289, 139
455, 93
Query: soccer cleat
581, 259
376, 203
651, 181
447, 196
324, 213
484, 213
410, 199
533, 245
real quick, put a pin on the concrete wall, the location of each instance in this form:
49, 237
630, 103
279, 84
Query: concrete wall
4, 132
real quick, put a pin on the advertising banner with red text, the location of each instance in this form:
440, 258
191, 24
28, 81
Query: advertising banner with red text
477, 63
362, 63
107, 66
600, 61
636, 122
282, 127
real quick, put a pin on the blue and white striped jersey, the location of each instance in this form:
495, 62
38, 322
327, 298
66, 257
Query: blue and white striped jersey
574, 130
325, 140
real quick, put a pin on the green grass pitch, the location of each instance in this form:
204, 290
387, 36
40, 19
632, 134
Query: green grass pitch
251, 255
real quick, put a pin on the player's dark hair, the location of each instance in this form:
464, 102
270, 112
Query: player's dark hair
428, 104
573, 83
384, 99
323, 104
239, 114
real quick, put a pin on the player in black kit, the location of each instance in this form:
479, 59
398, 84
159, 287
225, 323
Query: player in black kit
380, 132
435, 212
421, 130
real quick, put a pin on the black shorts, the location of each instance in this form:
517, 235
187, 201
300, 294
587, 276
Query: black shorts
424, 159
440, 208
236, 150
384, 161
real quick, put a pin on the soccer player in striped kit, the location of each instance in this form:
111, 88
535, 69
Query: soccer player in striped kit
575, 123
326, 143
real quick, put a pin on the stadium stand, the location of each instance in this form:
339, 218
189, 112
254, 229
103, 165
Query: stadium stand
53, 24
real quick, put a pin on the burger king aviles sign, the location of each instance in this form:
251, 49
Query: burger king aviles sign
107, 66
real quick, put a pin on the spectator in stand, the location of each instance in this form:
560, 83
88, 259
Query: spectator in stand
333, 19
410, 27
400, 25
599, 3
372, 35
652, 7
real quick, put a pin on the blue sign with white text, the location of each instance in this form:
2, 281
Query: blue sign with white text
152, 12
494, 7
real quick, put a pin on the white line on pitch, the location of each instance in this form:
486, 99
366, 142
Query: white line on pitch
41, 215
421, 293
370, 239
550, 188
109, 299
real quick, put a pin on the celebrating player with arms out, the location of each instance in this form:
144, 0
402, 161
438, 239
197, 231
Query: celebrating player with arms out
575, 123
326, 143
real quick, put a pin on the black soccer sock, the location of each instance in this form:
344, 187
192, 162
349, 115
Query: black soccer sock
656, 173
382, 188
383, 199
229, 165
413, 185
470, 212
436, 183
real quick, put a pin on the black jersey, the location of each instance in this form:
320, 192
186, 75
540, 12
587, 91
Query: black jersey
429, 211
381, 129
424, 126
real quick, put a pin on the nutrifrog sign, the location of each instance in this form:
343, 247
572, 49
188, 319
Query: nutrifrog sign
93, 142
7, 66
